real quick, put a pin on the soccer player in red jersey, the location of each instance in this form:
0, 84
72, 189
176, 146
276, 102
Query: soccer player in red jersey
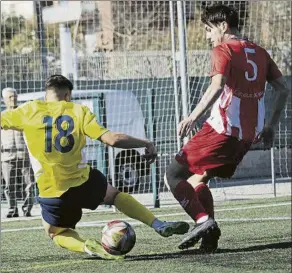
239, 72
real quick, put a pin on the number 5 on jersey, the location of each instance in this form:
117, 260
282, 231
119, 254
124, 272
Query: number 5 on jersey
252, 63
48, 120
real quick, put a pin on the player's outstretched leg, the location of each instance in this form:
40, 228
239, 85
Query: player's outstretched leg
70, 239
128, 205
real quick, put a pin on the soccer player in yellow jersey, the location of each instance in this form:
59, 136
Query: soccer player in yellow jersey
55, 131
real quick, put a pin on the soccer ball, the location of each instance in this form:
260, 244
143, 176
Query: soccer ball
118, 237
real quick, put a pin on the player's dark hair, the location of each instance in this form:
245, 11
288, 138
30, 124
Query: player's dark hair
58, 82
219, 13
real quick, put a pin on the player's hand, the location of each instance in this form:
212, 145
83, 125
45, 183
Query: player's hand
267, 136
150, 153
185, 127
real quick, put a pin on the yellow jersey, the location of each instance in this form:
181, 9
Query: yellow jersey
55, 134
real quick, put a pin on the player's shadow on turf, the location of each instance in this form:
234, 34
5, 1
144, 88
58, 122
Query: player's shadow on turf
179, 254
281, 245
144, 257
163, 256
158, 256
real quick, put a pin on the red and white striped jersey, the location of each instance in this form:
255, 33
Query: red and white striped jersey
240, 110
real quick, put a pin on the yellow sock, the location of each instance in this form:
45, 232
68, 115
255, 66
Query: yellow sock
128, 205
70, 240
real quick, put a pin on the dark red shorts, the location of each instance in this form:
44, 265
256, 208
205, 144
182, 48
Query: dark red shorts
215, 153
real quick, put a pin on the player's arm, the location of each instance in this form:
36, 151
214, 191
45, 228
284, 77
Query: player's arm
281, 93
120, 140
95, 131
220, 70
210, 96
277, 81
14, 119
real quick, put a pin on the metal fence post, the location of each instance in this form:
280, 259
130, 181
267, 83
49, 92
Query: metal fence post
174, 70
183, 59
111, 159
42, 38
151, 136
273, 171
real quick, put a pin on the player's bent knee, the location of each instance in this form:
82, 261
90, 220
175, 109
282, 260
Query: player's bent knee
170, 181
166, 181
111, 194
175, 173
52, 231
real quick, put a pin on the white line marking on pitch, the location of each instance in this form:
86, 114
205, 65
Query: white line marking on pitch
160, 215
234, 209
136, 223
100, 223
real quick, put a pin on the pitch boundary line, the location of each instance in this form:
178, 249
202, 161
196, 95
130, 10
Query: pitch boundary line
172, 214
137, 223
103, 222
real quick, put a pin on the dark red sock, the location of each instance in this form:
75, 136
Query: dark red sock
184, 193
205, 196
